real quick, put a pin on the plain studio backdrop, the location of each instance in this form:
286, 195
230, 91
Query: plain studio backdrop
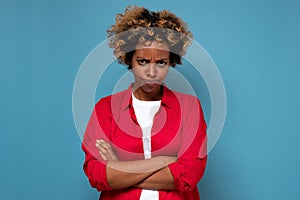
255, 45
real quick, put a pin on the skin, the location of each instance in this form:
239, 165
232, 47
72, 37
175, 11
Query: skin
150, 65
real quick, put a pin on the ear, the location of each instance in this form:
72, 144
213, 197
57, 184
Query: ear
129, 67
128, 63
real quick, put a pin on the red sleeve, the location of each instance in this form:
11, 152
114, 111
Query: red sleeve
94, 166
191, 163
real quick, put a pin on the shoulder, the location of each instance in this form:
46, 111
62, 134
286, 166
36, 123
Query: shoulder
107, 101
186, 102
185, 97
182, 97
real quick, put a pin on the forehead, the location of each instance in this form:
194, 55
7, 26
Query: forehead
156, 49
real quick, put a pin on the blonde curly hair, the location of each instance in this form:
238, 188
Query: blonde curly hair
138, 24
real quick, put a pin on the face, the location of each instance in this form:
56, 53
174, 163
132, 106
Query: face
150, 65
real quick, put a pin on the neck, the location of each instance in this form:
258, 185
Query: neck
156, 95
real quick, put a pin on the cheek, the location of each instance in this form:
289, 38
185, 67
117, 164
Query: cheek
164, 73
137, 72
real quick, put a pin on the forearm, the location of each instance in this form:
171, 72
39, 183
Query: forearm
160, 180
122, 174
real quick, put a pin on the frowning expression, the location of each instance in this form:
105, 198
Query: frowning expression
150, 65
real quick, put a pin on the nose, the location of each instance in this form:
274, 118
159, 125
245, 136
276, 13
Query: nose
152, 71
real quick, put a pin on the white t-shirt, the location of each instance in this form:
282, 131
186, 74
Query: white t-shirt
145, 111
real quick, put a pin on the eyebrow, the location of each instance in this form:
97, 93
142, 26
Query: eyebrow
162, 59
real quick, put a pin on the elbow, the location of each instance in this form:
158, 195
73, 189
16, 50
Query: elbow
186, 186
115, 185
96, 175
188, 179
98, 183
99, 186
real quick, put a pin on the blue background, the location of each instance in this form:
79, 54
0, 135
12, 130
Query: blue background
255, 45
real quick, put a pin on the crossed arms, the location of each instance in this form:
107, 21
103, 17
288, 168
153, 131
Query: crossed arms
106, 172
148, 174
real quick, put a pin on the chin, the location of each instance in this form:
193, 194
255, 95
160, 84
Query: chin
149, 88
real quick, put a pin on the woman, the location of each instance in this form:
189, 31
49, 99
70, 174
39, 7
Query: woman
147, 142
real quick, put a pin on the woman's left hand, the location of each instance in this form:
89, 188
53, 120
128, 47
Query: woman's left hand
106, 151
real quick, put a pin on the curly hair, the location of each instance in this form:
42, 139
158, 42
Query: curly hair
138, 24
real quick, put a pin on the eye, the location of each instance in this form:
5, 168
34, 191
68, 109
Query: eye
142, 61
161, 63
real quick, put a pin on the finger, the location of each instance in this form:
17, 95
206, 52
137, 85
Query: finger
103, 150
109, 154
112, 154
115, 158
104, 144
107, 150
101, 143
103, 156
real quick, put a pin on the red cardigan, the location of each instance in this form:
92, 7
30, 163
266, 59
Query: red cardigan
179, 129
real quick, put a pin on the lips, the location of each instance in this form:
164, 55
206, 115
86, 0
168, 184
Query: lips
151, 82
